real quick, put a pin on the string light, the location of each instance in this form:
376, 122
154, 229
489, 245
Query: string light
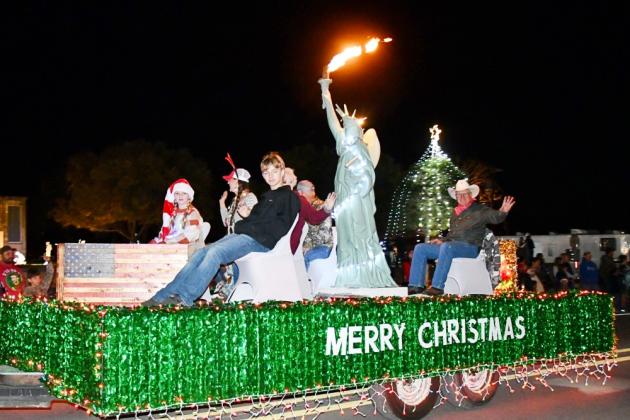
155, 358
507, 270
421, 203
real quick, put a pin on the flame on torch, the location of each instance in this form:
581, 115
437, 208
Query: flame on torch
340, 59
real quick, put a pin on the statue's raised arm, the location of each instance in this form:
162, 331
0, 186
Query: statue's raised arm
327, 104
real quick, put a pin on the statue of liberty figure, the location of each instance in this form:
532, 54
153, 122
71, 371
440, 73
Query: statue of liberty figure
360, 259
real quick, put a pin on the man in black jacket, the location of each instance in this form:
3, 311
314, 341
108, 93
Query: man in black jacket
268, 221
466, 232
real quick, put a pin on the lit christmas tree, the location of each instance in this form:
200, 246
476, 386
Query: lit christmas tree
421, 204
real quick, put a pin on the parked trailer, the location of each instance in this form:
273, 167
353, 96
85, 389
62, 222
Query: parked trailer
551, 246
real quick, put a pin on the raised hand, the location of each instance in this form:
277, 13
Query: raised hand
508, 202
325, 84
329, 203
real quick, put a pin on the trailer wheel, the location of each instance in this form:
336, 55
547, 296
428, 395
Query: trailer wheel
476, 388
407, 399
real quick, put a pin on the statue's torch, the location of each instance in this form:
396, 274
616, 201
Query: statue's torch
340, 59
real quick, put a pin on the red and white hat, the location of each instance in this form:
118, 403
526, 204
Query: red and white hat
239, 174
181, 185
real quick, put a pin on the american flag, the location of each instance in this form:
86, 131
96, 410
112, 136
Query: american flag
116, 274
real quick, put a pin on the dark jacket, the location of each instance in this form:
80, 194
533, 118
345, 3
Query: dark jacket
470, 225
271, 218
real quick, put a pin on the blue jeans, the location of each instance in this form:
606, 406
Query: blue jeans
316, 253
193, 279
445, 253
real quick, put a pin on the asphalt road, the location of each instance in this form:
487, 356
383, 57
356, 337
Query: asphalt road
566, 401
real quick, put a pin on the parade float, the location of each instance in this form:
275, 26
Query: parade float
397, 355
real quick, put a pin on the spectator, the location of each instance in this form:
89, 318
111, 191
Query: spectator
524, 279
567, 266
406, 265
538, 276
546, 272
395, 261
521, 250
624, 275
11, 276
564, 277
529, 247
589, 274
607, 270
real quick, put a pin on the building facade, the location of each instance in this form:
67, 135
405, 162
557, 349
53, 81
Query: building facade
13, 222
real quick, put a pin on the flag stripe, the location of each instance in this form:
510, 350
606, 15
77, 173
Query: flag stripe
118, 274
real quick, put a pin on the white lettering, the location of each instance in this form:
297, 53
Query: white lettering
473, 330
520, 326
453, 329
334, 346
400, 329
463, 329
439, 333
482, 322
354, 340
371, 335
386, 335
495, 329
424, 344
509, 331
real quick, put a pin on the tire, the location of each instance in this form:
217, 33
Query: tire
406, 399
475, 388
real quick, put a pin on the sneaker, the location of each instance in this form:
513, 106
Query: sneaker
415, 290
433, 291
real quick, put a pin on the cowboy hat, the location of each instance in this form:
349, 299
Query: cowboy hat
462, 185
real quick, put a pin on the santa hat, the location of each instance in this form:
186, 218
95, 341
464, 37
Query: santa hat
181, 185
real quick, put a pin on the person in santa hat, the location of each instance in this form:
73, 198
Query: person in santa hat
181, 221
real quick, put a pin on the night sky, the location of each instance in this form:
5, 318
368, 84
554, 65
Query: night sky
538, 91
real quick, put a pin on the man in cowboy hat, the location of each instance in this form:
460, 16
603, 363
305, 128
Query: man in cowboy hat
466, 233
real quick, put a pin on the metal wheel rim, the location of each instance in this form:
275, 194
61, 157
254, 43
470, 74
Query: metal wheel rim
413, 392
476, 382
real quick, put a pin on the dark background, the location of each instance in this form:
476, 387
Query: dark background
538, 91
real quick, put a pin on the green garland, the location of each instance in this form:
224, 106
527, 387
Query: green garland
112, 360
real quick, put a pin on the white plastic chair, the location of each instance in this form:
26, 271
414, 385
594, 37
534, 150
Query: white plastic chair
468, 276
274, 275
323, 272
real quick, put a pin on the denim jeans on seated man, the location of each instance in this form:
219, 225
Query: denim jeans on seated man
319, 252
444, 253
193, 279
